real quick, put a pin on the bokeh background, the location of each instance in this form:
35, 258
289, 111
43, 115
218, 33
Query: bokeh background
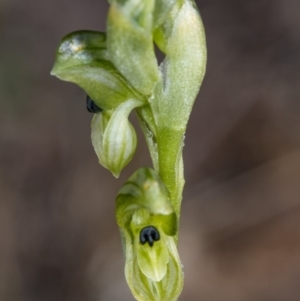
240, 225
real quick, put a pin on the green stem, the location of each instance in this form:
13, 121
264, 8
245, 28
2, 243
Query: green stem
170, 143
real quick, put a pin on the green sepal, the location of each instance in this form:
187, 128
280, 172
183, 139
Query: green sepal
82, 58
145, 189
130, 43
114, 138
162, 8
162, 33
149, 13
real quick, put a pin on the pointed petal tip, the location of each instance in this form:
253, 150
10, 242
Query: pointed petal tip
116, 175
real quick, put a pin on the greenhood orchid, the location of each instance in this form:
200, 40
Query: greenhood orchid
120, 73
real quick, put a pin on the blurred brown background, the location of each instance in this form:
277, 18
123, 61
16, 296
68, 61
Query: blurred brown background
240, 225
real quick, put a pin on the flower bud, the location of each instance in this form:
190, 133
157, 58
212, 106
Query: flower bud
148, 226
114, 138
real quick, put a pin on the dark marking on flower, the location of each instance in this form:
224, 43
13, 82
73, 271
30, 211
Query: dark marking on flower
149, 234
91, 106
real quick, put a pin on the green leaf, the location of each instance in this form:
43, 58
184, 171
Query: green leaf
182, 39
82, 58
130, 43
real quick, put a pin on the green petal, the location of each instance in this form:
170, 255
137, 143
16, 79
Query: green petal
82, 58
145, 288
114, 138
153, 260
99, 122
130, 43
170, 287
162, 8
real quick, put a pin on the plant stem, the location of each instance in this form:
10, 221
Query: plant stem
170, 143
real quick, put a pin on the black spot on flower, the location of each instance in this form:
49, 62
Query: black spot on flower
149, 234
91, 106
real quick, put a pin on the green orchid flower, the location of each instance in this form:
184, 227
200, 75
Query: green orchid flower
148, 225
